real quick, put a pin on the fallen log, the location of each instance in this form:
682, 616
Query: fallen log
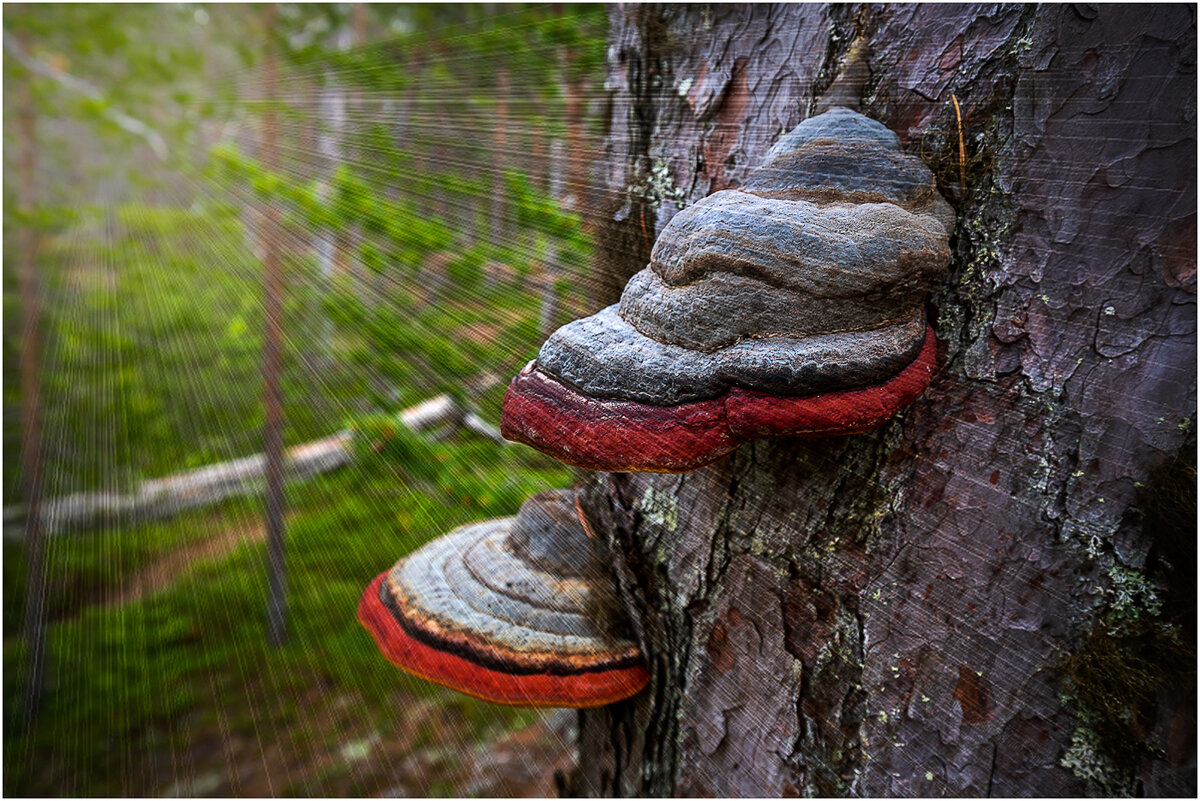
160, 498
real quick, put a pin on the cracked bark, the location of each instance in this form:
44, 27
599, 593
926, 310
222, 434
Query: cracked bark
880, 614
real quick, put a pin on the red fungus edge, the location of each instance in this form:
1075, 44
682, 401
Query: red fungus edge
580, 691
618, 436
753, 414
613, 435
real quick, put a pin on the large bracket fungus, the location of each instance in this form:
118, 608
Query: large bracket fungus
793, 306
519, 611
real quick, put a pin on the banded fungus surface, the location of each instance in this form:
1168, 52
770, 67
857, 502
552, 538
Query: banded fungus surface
792, 306
519, 611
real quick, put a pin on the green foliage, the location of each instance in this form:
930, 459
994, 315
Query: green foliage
538, 212
1087, 759
152, 359
124, 675
87, 570
154, 308
153, 314
383, 438
532, 38
152, 62
416, 339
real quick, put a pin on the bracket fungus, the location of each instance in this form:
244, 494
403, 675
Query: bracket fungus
792, 306
519, 611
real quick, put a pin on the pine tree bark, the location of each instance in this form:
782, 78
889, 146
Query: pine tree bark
882, 614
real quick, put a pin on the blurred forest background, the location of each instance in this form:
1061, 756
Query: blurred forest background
425, 191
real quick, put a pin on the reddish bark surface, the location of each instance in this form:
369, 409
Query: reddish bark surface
885, 614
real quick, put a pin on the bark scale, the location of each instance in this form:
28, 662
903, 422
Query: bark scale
883, 614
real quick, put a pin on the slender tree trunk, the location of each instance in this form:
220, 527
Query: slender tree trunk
331, 122
272, 394
347, 237
360, 24
537, 158
329, 243
885, 614
549, 312
31, 439
407, 137
576, 187
499, 157
578, 191
560, 190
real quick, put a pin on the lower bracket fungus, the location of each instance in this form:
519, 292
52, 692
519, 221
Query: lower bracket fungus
791, 307
518, 611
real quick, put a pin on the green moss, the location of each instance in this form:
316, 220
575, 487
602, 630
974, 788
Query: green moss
1143, 644
1131, 595
658, 186
1115, 676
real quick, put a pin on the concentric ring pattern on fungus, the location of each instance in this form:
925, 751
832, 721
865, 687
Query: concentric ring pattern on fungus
518, 611
792, 306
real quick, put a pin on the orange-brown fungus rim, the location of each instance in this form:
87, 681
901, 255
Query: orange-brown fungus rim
580, 690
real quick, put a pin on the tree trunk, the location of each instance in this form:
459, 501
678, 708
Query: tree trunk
500, 157
31, 403
885, 614
272, 356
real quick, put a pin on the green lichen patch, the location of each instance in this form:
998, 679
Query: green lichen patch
1087, 759
658, 186
660, 508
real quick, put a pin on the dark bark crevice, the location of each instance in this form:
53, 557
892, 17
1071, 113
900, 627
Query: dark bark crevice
627, 217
